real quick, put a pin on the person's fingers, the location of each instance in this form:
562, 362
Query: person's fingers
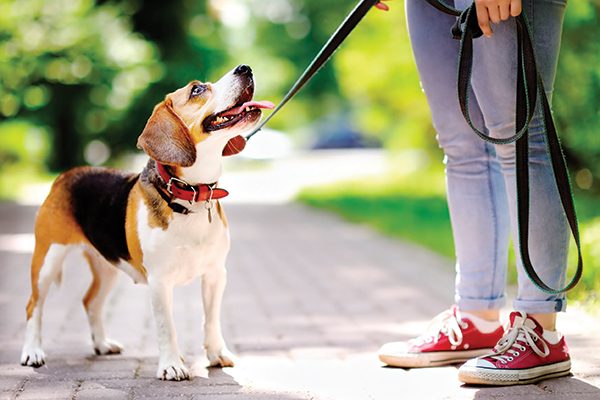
504, 8
382, 6
515, 7
483, 19
494, 13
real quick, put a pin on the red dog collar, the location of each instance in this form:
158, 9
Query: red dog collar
180, 189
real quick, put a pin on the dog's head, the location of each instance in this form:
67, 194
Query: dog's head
198, 112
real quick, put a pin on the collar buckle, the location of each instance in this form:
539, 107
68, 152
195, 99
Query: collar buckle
184, 183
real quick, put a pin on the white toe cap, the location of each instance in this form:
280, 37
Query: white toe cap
479, 363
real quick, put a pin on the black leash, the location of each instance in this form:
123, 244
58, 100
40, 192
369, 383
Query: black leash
349, 23
529, 88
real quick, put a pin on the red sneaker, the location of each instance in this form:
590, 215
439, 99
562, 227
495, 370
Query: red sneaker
521, 356
449, 340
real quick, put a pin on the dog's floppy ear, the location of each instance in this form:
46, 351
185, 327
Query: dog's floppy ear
166, 139
234, 146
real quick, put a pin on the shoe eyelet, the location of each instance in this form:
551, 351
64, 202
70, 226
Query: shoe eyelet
516, 354
510, 359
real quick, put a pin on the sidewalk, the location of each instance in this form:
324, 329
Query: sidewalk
309, 301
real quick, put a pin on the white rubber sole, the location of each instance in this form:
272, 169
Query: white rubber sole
501, 377
431, 359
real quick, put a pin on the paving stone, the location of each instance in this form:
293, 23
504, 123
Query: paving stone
48, 389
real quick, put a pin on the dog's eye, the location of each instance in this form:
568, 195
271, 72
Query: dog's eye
197, 90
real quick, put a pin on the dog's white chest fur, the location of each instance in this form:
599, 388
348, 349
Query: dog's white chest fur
189, 246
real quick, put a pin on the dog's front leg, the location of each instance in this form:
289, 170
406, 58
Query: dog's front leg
170, 365
213, 286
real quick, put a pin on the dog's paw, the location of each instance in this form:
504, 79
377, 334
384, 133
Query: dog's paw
222, 358
33, 357
107, 346
175, 371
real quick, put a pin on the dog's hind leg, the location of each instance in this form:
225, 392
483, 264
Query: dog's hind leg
213, 286
104, 276
46, 267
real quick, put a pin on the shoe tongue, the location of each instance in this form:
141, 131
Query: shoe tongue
518, 318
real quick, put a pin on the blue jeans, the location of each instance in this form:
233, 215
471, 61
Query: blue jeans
480, 177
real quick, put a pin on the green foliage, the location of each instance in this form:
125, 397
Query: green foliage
72, 66
22, 141
576, 98
398, 206
377, 74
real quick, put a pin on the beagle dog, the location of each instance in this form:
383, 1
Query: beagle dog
163, 227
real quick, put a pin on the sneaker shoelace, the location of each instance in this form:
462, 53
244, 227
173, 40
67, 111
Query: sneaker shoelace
512, 343
447, 323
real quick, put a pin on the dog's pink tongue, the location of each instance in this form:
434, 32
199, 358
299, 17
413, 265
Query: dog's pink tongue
257, 104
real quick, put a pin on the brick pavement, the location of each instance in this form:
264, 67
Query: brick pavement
309, 301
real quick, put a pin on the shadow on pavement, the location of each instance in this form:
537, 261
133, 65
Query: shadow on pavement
568, 387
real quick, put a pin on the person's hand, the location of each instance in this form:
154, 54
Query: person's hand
382, 6
495, 11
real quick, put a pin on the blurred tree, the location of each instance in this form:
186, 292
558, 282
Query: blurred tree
71, 66
577, 91
378, 74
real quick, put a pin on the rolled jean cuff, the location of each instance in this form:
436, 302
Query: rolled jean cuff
472, 304
541, 306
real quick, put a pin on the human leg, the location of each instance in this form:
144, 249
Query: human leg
530, 350
477, 204
475, 187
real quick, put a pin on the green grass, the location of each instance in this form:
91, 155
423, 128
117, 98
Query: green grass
412, 206
400, 207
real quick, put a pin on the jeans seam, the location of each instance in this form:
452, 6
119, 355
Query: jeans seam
531, 16
494, 219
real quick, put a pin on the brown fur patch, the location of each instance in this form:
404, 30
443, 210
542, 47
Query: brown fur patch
159, 212
221, 213
131, 232
166, 138
54, 224
94, 286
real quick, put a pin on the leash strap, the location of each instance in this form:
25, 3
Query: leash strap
355, 16
529, 88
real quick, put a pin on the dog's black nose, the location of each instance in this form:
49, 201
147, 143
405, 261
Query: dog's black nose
242, 70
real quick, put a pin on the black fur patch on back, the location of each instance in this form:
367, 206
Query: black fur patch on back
99, 201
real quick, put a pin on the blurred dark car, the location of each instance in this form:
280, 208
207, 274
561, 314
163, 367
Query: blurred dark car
339, 133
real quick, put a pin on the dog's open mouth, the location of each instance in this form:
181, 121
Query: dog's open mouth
240, 111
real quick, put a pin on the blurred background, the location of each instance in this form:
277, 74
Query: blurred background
79, 78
